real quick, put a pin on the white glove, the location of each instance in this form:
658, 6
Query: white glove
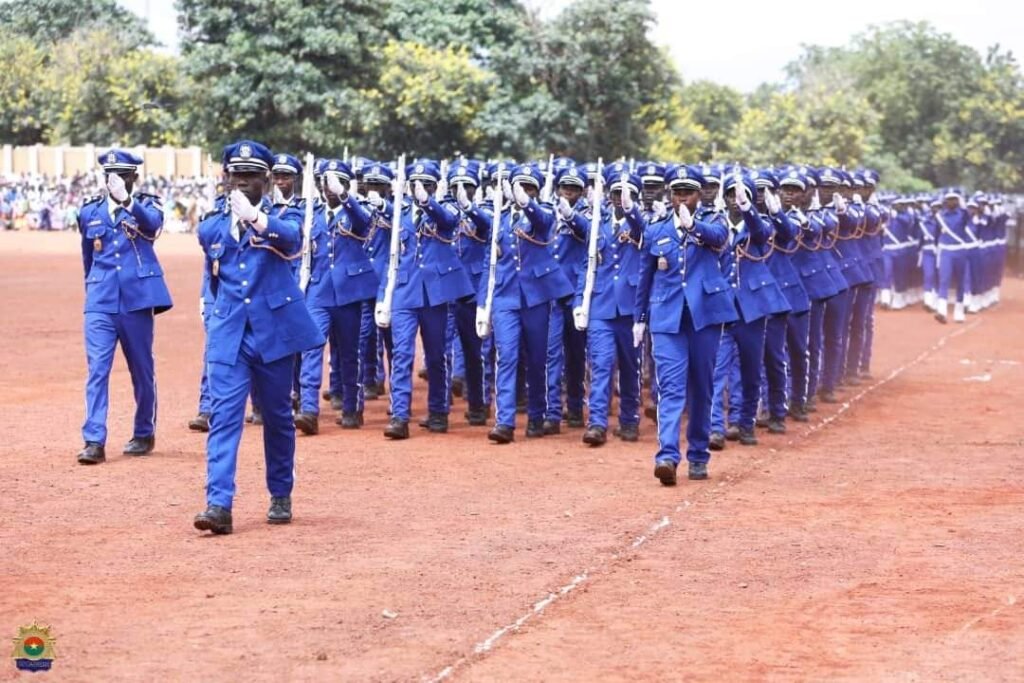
772, 202
873, 201
334, 185
275, 196
353, 186
241, 207
740, 190
375, 199
976, 220
638, 334
580, 318
564, 210
506, 187
839, 202
627, 196
659, 209
545, 194
522, 199
489, 193
801, 219
442, 189
719, 204
382, 315
420, 193
685, 218
857, 199
462, 198
116, 188
815, 202
397, 191
483, 323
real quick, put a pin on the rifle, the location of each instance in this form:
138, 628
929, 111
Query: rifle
547, 192
382, 312
583, 313
483, 315
308, 193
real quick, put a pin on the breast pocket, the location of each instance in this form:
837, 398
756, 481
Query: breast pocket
150, 270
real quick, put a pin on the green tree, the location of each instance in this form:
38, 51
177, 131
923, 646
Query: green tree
287, 73
22, 107
51, 21
717, 109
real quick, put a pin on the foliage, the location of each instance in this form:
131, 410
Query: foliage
50, 21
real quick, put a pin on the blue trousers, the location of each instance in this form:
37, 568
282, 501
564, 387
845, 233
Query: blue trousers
339, 323
727, 361
103, 332
430, 321
333, 363
469, 344
229, 387
609, 341
929, 271
836, 324
567, 353
860, 318
648, 364
815, 345
204, 381
749, 339
685, 364
526, 329
798, 327
953, 266
775, 364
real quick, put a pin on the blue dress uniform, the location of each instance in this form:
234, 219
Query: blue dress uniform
758, 296
612, 304
785, 330
259, 322
929, 230
341, 280
527, 279
682, 295
375, 342
567, 346
867, 244
472, 239
430, 277
201, 422
124, 290
955, 242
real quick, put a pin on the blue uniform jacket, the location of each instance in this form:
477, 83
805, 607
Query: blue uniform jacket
808, 260
618, 267
122, 273
855, 268
341, 271
781, 265
474, 233
429, 270
679, 270
253, 286
955, 235
526, 273
744, 262
570, 245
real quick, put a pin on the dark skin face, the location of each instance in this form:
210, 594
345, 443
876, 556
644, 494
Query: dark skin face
651, 193
708, 193
129, 178
571, 193
253, 184
285, 183
470, 190
950, 203
383, 189
334, 200
730, 205
531, 191
792, 196
687, 196
760, 200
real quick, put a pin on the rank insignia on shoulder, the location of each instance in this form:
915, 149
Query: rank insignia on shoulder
662, 263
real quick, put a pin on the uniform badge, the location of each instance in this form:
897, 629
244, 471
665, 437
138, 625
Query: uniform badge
662, 263
97, 244
215, 268
245, 151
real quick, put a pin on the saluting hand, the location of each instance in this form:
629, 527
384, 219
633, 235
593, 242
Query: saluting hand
627, 196
564, 210
685, 217
116, 188
375, 199
659, 209
243, 208
334, 185
742, 199
462, 197
420, 193
522, 199
839, 202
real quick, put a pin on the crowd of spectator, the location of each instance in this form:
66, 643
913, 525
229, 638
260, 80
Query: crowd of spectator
51, 203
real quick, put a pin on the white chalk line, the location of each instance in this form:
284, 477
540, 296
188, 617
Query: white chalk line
1010, 602
487, 645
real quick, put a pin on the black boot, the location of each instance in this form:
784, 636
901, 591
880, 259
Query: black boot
92, 454
215, 519
397, 429
502, 434
534, 429
200, 423
595, 436
280, 511
307, 423
140, 445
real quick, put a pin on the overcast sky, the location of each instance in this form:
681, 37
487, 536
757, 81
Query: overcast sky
708, 41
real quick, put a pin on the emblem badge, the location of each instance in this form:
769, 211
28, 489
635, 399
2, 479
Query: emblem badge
111, 158
245, 151
215, 267
662, 263
33, 648
97, 244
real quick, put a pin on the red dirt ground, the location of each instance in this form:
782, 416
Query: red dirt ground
884, 544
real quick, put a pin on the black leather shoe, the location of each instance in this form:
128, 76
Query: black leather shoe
747, 437
437, 423
307, 423
140, 445
574, 420
502, 434
629, 433
716, 442
761, 420
458, 387
200, 423
776, 425
336, 403
811, 406
215, 519
350, 420
397, 429
535, 429
477, 417
651, 413
665, 471
370, 392
732, 433
595, 436
92, 454
828, 397
552, 427
697, 471
280, 511
798, 412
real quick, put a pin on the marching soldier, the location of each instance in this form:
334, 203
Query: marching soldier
259, 323
124, 291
